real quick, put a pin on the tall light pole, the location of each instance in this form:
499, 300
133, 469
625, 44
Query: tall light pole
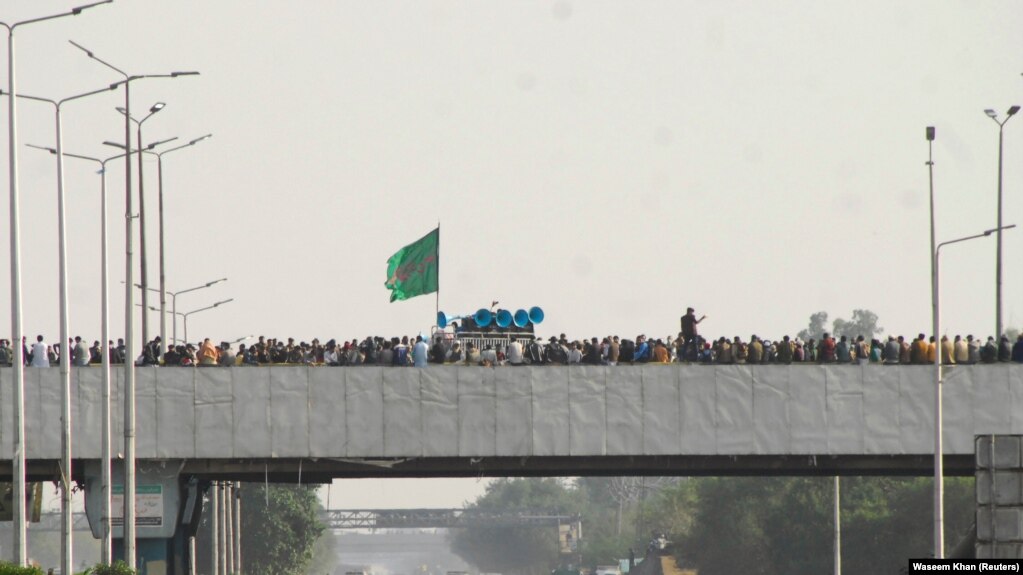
106, 435
998, 262
184, 316
143, 271
65, 357
174, 300
163, 275
18, 464
129, 363
939, 476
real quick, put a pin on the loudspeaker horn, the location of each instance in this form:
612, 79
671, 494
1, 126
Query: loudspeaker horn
504, 318
521, 318
536, 314
443, 320
483, 317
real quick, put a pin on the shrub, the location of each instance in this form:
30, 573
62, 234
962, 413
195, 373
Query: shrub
118, 568
12, 569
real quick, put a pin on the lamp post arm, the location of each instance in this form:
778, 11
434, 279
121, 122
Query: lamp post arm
73, 12
205, 285
973, 237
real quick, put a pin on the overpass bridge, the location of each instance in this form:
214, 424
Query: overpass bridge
439, 518
310, 424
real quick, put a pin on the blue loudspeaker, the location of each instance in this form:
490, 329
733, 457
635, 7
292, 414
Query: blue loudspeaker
536, 314
521, 318
483, 317
504, 318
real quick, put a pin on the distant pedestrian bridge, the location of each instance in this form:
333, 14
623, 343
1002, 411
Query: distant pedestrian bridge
313, 423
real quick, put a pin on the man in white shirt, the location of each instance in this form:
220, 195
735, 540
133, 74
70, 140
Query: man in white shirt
575, 355
489, 356
81, 356
39, 356
514, 352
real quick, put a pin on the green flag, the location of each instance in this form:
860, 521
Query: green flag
412, 270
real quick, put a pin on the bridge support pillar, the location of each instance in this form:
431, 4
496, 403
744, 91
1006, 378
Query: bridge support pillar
168, 509
999, 489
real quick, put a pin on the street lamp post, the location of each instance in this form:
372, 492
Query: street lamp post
174, 300
998, 262
20, 553
184, 316
143, 271
939, 476
65, 357
105, 503
129, 363
163, 275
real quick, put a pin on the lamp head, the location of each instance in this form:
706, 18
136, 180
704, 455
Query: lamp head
991, 113
157, 107
1013, 110
121, 110
930, 133
50, 150
176, 74
199, 139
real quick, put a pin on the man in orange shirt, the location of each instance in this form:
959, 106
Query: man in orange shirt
208, 353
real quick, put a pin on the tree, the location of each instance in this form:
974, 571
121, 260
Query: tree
279, 529
278, 537
818, 325
863, 322
516, 550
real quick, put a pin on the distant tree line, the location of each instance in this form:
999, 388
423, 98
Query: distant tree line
722, 526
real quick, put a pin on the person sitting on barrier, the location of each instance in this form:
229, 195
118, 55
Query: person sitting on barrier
932, 350
755, 350
643, 351
962, 351
534, 352
575, 355
660, 353
892, 351
784, 351
488, 357
1017, 349
989, 353
974, 349
6, 353
947, 351
172, 357
1004, 348
514, 352
842, 351
208, 353
472, 355
456, 354
723, 351
227, 356
438, 353
591, 355
556, 352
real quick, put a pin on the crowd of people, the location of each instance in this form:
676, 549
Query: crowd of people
493, 350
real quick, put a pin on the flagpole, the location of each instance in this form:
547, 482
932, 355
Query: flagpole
437, 304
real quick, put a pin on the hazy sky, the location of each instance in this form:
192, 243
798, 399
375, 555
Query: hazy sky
612, 162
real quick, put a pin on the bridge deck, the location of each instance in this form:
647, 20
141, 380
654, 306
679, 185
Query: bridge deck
447, 420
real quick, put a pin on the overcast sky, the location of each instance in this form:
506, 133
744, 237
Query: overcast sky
611, 162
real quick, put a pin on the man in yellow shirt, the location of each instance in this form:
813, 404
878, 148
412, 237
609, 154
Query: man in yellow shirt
947, 351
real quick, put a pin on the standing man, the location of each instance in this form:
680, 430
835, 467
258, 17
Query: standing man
419, 352
40, 357
689, 329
